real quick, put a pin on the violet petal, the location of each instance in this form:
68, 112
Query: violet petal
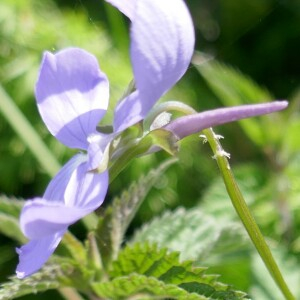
35, 253
162, 43
72, 95
86, 189
84, 193
127, 7
57, 186
41, 218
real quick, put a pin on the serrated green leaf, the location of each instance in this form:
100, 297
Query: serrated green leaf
117, 217
166, 268
234, 88
194, 233
142, 287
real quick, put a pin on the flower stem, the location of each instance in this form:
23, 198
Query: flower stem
245, 214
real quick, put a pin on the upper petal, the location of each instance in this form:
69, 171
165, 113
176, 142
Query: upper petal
162, 44
72, 95
127, 7
35, 253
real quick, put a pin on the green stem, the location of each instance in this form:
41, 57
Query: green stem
245, 214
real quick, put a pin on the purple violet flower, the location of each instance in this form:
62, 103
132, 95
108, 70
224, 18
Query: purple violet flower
72, 96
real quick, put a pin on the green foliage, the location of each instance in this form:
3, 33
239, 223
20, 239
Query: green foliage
113, 224
194, 233
207, 233
144, 270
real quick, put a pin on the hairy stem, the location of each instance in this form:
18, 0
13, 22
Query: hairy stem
244, 213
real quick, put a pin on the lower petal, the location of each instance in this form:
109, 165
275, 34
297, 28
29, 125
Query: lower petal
57, 186
41, 218
35, 253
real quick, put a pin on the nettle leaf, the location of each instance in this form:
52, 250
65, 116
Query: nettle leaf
143, 287
234, 88
195, 234
117, 217
145, 270
9, 218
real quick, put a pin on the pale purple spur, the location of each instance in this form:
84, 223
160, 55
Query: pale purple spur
72, 96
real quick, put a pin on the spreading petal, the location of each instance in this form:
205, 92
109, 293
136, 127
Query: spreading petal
72, 95
83, 193
191, 124
162, 43
35, 253
41, 218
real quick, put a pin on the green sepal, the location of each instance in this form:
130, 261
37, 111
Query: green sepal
138, 146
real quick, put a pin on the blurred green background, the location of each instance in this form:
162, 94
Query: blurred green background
248, 53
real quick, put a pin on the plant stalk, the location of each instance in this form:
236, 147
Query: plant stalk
244, 213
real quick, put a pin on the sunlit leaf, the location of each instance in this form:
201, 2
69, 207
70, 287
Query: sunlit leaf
146, 270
